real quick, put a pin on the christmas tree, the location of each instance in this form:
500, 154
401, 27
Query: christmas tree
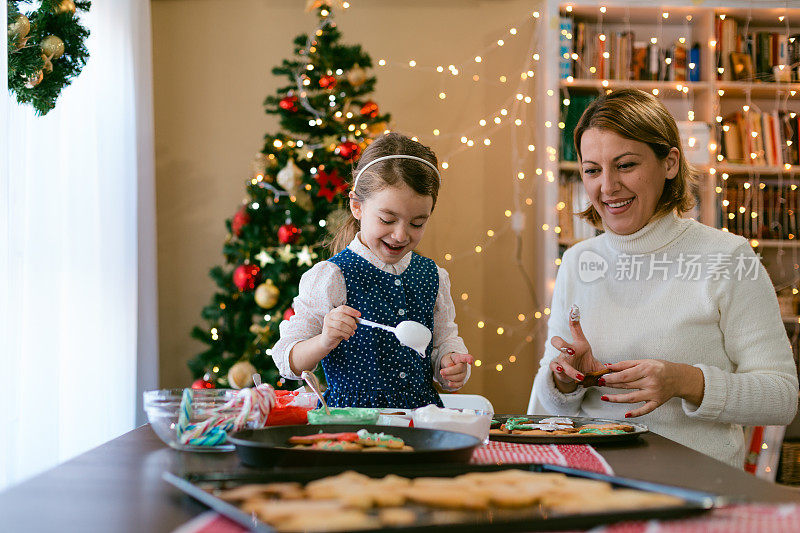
297, 191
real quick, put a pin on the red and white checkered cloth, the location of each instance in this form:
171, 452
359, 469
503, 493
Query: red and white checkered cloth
746, 518
580, 456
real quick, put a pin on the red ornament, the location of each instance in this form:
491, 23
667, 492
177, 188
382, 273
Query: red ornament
289, 313
329, 184
201, 383
370, 109
288, 233
327, 82
348, 150
245, 277
288, 103
240, 220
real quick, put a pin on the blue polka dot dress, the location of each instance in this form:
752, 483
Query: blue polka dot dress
372, 368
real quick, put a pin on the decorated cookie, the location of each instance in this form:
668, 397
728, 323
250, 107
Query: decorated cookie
591, 379
366, 438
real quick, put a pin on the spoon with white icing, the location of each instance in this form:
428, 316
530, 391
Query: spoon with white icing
412, 334
313, 382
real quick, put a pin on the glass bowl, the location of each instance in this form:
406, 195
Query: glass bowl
162, 408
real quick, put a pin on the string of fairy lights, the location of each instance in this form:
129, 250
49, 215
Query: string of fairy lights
480, 135
512, 113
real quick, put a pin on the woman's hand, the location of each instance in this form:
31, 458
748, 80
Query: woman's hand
454, 368
575, 359
338, 325
656, 381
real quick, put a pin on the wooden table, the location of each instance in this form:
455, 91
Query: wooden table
118, 486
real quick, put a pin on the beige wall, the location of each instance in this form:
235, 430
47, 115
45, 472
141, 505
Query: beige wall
212, 62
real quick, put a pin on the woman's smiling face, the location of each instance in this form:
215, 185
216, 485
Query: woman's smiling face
623, 178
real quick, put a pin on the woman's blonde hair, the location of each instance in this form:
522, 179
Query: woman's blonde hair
421, 178
640, 116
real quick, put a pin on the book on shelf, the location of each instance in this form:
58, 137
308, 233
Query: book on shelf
571, 114
773, 56
774, 203
565, 47
774, 144
618, 55
694, 63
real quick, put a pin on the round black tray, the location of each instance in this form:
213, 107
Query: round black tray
270, 446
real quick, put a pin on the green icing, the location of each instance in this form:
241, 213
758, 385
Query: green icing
519, 422
344, 415
597, 431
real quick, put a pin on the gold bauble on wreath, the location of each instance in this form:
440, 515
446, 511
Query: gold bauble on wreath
65, 6
240, 375
52, 46
19, 30
266, 294
20, 27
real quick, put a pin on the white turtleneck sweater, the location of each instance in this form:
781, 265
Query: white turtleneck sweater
700, 297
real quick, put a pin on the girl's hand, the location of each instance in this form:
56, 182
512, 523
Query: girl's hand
454, 368
575, 359
339, 325
656, 382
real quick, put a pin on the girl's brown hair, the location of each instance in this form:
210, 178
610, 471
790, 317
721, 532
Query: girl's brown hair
640, 116
421, 178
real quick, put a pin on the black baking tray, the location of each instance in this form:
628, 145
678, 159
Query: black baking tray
638, 430
268, 447
202, 486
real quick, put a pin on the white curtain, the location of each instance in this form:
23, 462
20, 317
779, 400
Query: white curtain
77, 252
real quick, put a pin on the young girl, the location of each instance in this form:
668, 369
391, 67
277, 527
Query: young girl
375, 275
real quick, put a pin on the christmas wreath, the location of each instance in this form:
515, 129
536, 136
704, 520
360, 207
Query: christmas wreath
46, 50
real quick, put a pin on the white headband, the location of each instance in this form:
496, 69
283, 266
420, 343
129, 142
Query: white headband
396, 156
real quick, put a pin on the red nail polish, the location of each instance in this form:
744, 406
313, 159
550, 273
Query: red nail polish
627, 415
570, 351
580, 377
559, 369
601, 382
604, 398
607, 364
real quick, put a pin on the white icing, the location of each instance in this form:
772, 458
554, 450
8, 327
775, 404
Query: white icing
559, 421
543, 427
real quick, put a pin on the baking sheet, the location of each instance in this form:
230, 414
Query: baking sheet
203, 486
638, 430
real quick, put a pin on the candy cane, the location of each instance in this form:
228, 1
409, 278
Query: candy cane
254, 404
185, 414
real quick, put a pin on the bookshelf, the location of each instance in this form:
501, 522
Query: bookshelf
675, 50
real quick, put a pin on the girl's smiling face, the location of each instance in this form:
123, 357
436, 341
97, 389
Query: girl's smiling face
392, 220
623, 178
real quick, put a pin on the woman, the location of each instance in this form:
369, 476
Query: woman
683, 315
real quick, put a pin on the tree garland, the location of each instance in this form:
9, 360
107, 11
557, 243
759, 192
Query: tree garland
46, 50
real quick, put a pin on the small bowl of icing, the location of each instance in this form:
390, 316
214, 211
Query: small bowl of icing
469, 421
344, 415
